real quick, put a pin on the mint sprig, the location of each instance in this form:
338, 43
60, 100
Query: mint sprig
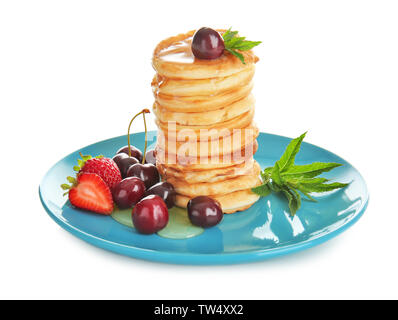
296, 180
233, 43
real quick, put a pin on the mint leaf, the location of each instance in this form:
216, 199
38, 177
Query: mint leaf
309, 170
232, 43
308, 181
246, 45
323, 187
301, 185
263, 190
293, 180
297, 202
228, 35
265, 177
303, 191
236, 42
293, 198
266, 174
276, 175
236, 54
287, 159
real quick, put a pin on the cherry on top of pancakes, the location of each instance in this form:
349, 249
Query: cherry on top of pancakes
173, 58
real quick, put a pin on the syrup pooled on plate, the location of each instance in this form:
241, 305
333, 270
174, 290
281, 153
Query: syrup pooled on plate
179, 226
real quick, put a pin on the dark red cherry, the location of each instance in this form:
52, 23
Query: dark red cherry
204, 211
150, 215
119, 157
124, 162
128, 192
135, 152
150, 157
207, 44
165, 190
146, 172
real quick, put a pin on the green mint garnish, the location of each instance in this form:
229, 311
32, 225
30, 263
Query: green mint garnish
232, 43
293, 180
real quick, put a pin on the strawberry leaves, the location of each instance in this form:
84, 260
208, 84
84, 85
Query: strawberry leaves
296, 180
72, 180
232, 43
82, 161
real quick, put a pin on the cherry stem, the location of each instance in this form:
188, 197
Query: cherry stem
146, 140
143, 111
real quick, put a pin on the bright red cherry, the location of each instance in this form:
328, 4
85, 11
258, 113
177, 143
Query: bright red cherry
146, 172
204, 211
207, 44
150, 215
128, 192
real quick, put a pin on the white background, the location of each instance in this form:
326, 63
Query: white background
74, 72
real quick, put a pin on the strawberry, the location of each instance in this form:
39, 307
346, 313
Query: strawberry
106, 168
91, 188
90, 192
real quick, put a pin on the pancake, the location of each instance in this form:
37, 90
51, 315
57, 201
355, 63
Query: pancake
186, 157
204, 118
202, 103
212, 175
239, 144
173, 58
201, 87
220, 187
174, 131
187, 166
230, 202
193, 163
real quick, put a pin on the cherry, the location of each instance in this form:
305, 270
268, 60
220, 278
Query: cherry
165, 190
148, 173
124, 162
135, 152
204, 211
118, 157
207, 44
128, 192
150, 215
150, 157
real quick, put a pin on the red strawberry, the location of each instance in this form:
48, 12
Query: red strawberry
91, 193
106, 168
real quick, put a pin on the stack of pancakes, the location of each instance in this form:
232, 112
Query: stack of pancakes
204, 111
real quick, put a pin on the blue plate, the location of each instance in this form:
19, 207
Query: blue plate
265, 230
